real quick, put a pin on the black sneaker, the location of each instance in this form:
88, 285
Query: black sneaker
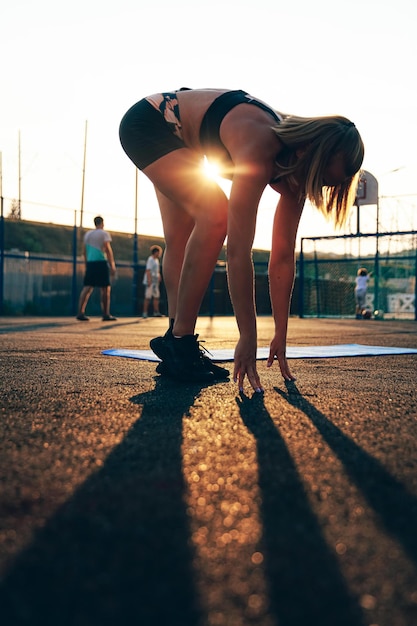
159, 346
219, 373
182, 359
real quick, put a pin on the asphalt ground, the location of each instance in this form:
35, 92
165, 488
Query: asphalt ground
128, 499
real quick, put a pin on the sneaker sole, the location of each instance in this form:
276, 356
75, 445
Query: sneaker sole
218, 373
164, 369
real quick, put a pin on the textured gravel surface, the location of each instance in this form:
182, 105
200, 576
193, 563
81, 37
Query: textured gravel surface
126, 498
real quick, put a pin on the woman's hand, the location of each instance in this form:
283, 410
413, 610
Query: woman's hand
245, 365
277, 350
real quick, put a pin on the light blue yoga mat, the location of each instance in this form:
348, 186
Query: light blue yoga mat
294, 352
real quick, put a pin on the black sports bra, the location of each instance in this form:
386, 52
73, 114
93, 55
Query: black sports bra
210, 125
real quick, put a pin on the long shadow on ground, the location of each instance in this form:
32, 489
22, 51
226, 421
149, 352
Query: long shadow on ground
396, 507
305, 582
118, 552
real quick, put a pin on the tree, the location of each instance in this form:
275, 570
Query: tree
15, 210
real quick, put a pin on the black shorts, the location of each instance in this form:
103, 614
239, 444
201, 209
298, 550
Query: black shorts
145, 135
97, 274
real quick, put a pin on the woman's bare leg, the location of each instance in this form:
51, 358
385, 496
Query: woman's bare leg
178, 226
187, 197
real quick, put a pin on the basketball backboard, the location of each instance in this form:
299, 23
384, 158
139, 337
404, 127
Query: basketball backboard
367, 192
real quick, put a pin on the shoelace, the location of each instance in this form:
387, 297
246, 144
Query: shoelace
200, 349
203, 350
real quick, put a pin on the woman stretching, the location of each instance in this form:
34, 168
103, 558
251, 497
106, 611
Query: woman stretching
167, 135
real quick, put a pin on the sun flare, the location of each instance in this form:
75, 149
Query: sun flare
211, 170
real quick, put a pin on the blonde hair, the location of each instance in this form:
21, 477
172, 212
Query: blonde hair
308, 145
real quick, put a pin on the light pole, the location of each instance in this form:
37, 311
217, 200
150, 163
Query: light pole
376, 288
83, 177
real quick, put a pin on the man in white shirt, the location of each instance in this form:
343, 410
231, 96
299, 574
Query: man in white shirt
151, 281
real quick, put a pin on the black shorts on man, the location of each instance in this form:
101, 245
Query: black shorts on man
97, 274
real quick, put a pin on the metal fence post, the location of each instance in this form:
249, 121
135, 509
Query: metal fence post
74, 294
135, 309
316, 280
415, 291
376, 277
1, 257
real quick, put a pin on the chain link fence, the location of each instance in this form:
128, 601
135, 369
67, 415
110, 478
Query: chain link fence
39, 284
328, 266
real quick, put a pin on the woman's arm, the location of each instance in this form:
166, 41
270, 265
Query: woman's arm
245, 195
253, 148
281, 275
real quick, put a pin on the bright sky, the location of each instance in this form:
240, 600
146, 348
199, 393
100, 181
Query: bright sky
89, 60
